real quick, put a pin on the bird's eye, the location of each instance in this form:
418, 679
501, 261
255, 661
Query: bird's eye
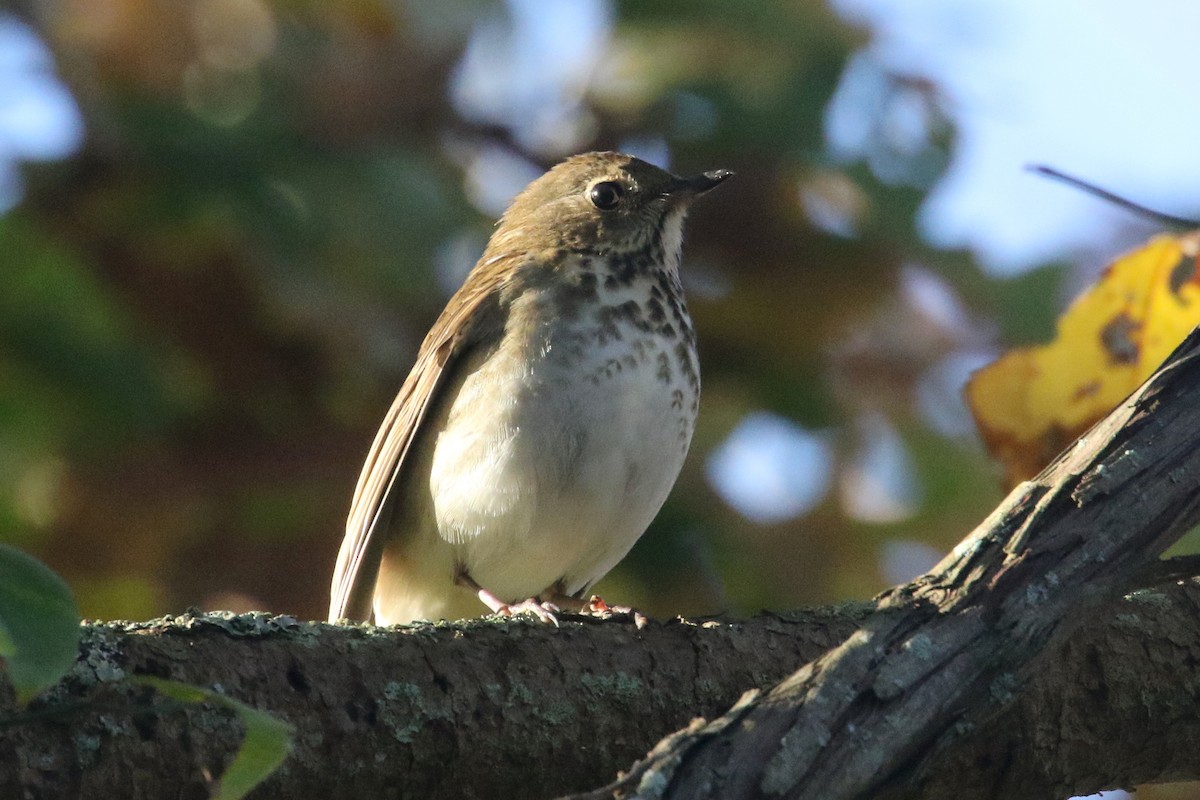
606, 195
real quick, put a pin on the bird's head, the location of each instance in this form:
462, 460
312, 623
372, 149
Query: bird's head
603, 202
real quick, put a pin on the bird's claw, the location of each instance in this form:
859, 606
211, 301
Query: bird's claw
596, 606
543, 611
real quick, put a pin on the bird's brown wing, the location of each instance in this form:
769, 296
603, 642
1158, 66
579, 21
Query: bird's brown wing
472, 312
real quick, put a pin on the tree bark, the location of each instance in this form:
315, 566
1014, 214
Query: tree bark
510, 709
938, 693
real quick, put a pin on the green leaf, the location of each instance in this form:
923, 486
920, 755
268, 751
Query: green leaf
39, 623
267, 742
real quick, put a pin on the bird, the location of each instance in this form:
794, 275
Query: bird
548, 412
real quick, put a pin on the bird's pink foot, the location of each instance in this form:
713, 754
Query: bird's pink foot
544, 611
597, 607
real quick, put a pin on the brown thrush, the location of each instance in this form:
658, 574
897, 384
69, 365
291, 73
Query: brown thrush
548, 413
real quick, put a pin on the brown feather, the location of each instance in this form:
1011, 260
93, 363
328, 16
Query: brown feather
459, 328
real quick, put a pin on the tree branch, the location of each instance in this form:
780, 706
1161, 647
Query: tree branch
514, 710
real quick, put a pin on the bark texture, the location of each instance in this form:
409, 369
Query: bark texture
486, 709
515, 710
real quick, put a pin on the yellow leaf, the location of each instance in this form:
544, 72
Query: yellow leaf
1034, 401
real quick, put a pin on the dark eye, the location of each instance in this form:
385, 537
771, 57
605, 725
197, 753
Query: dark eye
605, 196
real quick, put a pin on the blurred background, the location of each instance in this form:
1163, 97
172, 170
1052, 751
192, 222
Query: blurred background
225, 227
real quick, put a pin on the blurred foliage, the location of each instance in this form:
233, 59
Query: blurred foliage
39, 624
205, 313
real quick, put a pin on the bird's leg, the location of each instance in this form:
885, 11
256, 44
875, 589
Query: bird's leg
593, 606
533, 605
557, 595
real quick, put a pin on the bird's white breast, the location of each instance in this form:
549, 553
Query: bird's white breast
562, 446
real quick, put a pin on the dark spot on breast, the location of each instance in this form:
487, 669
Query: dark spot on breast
608, 332
631, 477
643, 347
623, 268
683, 354
611, 367
629, 312
655, 310
570, 296
664, 373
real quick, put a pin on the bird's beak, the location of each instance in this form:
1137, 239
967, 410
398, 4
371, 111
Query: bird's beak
685, 189
708, 180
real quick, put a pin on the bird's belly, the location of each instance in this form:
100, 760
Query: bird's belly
550, 472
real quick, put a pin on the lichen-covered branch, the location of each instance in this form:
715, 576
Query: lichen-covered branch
882, 714
489, 708
514, 710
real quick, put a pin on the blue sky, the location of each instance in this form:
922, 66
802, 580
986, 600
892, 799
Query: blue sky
38, 118
1104, 89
